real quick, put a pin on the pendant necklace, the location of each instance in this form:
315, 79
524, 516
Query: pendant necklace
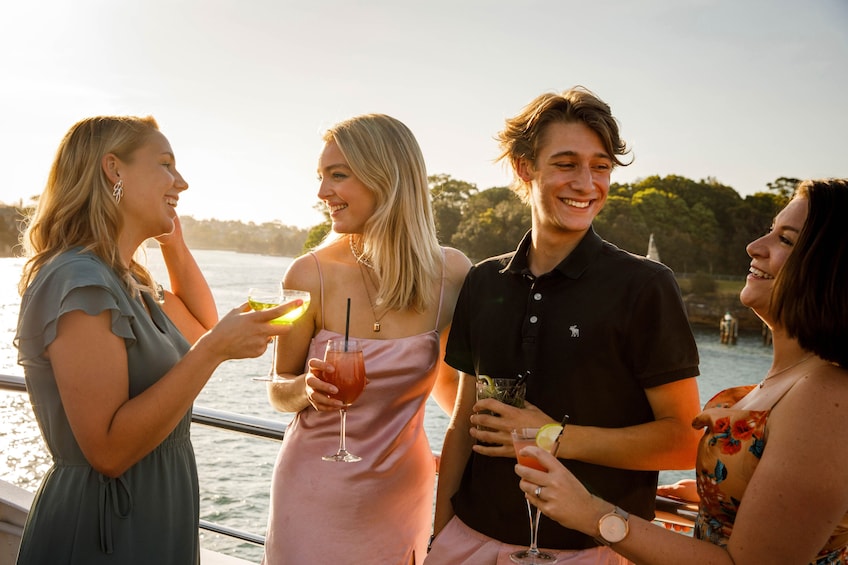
762, 382
362, 263
376, 327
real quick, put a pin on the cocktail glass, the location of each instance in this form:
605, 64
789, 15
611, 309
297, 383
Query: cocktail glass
345, 355
522, 438
263, 299
507, 390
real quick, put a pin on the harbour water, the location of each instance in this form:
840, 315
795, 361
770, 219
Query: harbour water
234, 469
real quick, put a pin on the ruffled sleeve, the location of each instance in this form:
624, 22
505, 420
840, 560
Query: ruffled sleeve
72, 281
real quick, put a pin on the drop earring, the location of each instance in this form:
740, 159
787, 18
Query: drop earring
118, 191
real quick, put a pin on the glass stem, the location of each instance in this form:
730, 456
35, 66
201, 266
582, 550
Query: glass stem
343, 414
534, 528
273, 371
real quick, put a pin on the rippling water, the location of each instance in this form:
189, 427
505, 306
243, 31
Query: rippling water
235, 470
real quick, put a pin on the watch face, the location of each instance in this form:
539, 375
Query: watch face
613, 528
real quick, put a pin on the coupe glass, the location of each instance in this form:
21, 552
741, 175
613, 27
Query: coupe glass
263, 299
345, 355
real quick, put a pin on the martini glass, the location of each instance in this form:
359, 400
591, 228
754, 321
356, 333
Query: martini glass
345, 355
263, 299
522, 438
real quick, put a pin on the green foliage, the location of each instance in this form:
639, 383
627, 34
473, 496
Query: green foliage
449, 198
698, 226
784, 187
316, 235
494, 221
703, 284
10, 220
270, 238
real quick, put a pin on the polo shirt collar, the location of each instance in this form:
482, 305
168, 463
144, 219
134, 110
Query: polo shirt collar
572, 266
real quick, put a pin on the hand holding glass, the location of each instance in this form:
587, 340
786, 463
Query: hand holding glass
507, 390
264, 299
260, 299
522, 438
345, 355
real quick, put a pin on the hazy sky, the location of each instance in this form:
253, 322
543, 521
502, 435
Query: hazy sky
745, 91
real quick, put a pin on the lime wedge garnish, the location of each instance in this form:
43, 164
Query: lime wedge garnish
489, 382
547, 435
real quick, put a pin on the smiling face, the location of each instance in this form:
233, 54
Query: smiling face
350, 202
569, 180
769, 253
152, 186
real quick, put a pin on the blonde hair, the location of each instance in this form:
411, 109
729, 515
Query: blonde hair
76, 208
400, 237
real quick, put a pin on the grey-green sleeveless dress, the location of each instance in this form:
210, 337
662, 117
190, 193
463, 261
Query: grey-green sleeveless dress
148, 515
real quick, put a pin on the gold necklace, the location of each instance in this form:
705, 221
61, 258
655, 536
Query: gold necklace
360, 257
376, 327
762, 382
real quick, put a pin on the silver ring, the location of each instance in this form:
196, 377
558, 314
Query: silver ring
538, 492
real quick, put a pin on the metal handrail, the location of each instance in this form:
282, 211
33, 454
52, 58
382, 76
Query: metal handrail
679, 514
232, 421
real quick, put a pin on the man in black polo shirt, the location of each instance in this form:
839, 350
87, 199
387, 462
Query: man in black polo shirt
602, 333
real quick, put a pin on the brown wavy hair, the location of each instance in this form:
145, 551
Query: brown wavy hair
809, 298
523, 134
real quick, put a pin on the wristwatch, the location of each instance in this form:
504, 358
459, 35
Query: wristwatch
614, 526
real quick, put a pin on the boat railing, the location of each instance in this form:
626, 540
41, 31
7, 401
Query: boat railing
678, 515
250, 425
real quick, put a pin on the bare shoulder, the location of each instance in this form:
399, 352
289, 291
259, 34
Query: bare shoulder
457, 265
303, 274
819, 400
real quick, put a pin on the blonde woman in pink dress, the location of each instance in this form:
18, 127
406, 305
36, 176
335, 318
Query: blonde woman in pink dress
384, 256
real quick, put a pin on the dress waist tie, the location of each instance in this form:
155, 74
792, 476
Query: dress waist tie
114, 493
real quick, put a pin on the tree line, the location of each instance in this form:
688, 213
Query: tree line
698, 226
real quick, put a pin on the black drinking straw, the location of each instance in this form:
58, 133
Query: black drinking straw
555, 448
347, 323
513, 390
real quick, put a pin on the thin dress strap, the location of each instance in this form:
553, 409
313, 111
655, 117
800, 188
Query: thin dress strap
442, 290
321, 283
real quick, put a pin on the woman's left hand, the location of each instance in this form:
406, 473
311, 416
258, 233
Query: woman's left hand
561, 497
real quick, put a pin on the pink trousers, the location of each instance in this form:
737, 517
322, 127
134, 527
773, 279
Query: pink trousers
457, 544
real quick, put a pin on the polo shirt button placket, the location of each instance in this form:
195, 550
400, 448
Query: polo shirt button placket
537, 297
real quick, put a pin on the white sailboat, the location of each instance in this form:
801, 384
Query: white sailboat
653, 254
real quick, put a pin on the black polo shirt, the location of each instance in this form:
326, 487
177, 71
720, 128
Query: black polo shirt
594, 333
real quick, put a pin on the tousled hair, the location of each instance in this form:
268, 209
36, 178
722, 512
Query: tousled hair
809, 298
399, 239
76, 208
524, 134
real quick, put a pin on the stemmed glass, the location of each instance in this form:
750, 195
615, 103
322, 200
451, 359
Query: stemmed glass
345, 355
263, 299
522, 438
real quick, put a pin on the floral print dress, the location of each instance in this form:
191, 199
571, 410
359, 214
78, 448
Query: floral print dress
728, 454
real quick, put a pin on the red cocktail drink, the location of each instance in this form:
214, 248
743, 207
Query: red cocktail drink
349, 376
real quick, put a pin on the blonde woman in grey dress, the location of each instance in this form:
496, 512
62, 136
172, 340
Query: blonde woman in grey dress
112, 363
